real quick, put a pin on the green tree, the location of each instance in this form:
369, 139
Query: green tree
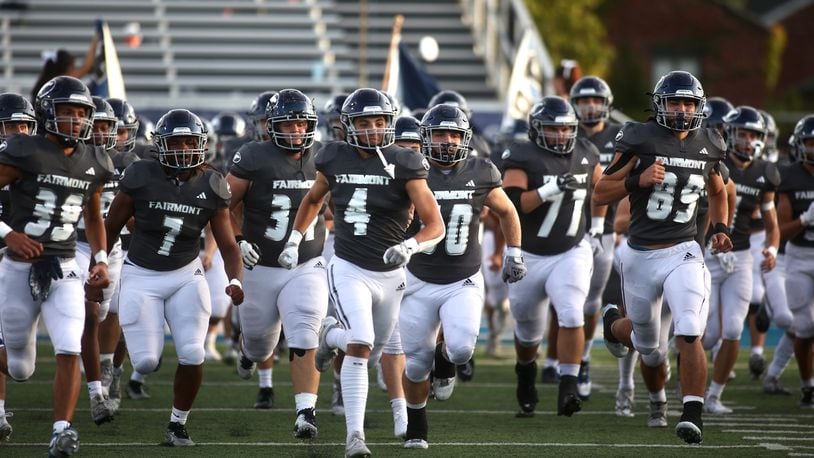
571, 29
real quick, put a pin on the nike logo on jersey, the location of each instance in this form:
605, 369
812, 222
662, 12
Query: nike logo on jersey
704, 151
401, 287
201, 196
689, 256
468, 282
584, 161
470, 183
90, 171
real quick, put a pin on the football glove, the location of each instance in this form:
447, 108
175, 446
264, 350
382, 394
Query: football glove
513, 267
289, 258
807, 217
249, 252
564, 182
400, 254
727, 261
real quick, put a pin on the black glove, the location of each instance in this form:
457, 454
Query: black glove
40, 276
567, 182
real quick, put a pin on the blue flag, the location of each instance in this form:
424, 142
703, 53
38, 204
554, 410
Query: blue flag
416, 85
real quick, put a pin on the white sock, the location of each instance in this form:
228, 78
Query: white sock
586, 353
305, 401
757, 350
416, 406
264, 376
689, 398
210, 339
354, 392
95, 388
782, 355
569, 369
398, 405
137, 376
550, 362
716, 389
2, 408
179, 416
627, 367
105, 357
337, 338
60, 425
658, 396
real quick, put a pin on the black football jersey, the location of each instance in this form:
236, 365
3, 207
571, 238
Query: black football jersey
47, 201
557, 225
666, 213
5, 206
752, 184
278, 184
460, 195
144, 151
605, 143
120, 162
371, 209
170, 214
798, 185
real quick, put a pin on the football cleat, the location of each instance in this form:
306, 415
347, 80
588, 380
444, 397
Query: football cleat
177, 436
115, 388
305, 426
771, 385
466, 371
231, 354
568, 402
100, 409
550, 375
712, 405
65, 443
757, 364
5, 427
658, 415
443, 388
526, 391
356, 446
807, 398
337, 403
610, 313
690, 427
265, 398
212, 354
399, 424
624, 403
136, 391
325, 354
584, 380
245, 367
416, 443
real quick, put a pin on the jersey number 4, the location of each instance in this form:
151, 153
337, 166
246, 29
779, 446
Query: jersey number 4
663, 198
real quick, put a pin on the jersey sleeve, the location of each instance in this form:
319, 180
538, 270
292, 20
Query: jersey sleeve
627, 139
221, 189
491, 175
13, 152
243, 163
513, 157
325, 156
772, 177
411, 165
135, 177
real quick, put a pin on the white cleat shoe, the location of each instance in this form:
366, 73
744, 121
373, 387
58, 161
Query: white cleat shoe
712, 404
443, 388
65, 443
658, 415
245, 367
212, 354
624, 403
610, 313
5, 427
416, 443
325, 353
356, 446
380, 376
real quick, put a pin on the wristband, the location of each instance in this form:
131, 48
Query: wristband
235, 282
772, 250
512, 251
5, 229
100, 257
597, 224
720, 228
766, 206
295, 237
239, 238
632, 183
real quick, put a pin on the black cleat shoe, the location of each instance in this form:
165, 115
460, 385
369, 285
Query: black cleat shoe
568, 401
610, 313
177, 436
265, 398
305, 427
807, 399
690, 428
757, 364
466, 371
550, 375
526, 391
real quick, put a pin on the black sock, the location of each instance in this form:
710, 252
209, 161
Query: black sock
443, 368
417, 423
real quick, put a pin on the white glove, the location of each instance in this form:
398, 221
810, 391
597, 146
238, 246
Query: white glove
250, 253
595, 234
727, 261
564, 182
400, 254
514, 269
289, 258
807, 217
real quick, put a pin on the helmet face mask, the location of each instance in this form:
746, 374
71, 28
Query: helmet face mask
65, 109
292, 120
591, 98
553, 125
802, 140
673, 94
180, 138
104, 124
367, 116
16, 116
445, 134
745, 132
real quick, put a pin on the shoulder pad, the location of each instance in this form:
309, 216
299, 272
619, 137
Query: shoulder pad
628, 137
410, 164
17, 146
327, 153
772, 174
137, 175
516, 155
491, 175
244, 158
219, 185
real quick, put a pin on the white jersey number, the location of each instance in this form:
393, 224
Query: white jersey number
47, 212
173, 226
661, 201
457, 237
281, 219
578, 196
356, 212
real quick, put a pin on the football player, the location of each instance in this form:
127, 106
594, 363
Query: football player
450, 297
172, 199
731, 272
334, 130
270, 180
592, 100
230, 134
257, 116
372, 184
663, 164
17, 116
54, 179
795, 213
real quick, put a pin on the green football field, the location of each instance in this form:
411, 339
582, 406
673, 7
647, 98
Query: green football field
479, 420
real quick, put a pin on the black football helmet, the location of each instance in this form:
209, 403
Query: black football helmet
70, 91
180, 123
407, 128
331, 112
104, 115
128, 121
772, 133
394, 102
368, 102
553, 111
450, 97
257, 115
714, 111
745, 118
292, 105
15, 109
445, 118
595, 87
227, 124
803, 130
679, 85
144, 133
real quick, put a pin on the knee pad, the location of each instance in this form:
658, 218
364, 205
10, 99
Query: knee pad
783, 320
592, 306
571, 318
191, 354
655, 358
20, 368
689, 325
257, 350
146, 364
459, 355
527, 344
731, 331
418, 366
